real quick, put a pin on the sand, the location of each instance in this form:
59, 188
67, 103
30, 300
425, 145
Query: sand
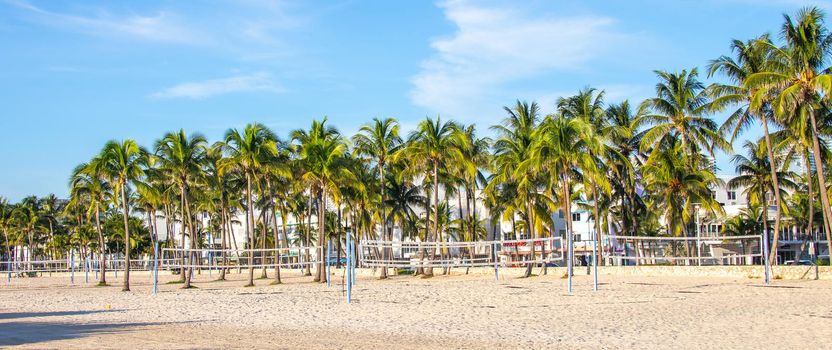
407, 312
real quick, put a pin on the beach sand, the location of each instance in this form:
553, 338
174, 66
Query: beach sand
407, 312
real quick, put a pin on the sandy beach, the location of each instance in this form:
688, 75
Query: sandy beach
455, 311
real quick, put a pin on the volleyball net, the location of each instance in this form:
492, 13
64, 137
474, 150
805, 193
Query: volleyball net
204, 258
645, 250
522, 252
73, 264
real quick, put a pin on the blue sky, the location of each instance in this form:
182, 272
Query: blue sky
76, 74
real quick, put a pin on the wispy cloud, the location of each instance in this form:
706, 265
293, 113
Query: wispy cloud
258, 82
159, 27
493, 46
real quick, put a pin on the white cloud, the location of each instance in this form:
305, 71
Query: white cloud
160, 27
259, 82
493, 46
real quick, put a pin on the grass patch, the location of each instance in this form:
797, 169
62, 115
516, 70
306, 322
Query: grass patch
274, 283
102, 284
175, 282
564, 276
249, 285
191, 287
778, 277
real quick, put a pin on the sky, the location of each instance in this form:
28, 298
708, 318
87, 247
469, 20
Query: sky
75, 74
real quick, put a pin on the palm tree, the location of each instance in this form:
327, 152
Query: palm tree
88, 185
563, 146
676, 186
5, 222
680, 110
181, 159
512, 147
625, 140
799, 81
379, 142
323, 152
753, 56
588, 105
245, 151
123, 164
754, 175
430, 147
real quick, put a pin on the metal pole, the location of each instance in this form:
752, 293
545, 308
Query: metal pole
496, 264
72, 267
569, 262
155, 267
767, 266
354, 261
595, 261
327, 263
349, 270
698, 239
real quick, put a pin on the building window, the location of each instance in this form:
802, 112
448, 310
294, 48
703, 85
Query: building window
732, 195
576, 216
560, 213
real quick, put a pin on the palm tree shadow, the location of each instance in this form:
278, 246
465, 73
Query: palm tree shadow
20, 332
13, 315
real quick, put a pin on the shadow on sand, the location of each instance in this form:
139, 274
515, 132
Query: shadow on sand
21, 332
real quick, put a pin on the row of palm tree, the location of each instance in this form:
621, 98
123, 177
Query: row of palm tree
638, 170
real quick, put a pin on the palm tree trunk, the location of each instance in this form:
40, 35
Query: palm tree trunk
386, 253
308, 269
429, 271
186, 215
275, 233
824, 195
126, 287
264, 228
250, 229
811, 195
772, 162
530, 231
322, 236
223, 240
102, 278
567, 208
598, 253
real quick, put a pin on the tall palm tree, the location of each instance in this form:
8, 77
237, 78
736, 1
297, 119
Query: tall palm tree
588, 105
753, 56
680, 110
323, 152
800, 81
625, 140
123, 163
245, 151
754, 175
379, 142
181, 158
563, 147
676, 186
5, 223
433, 145
88, 185
512, 147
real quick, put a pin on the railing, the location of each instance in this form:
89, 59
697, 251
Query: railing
293, 257
377, 253
644, 250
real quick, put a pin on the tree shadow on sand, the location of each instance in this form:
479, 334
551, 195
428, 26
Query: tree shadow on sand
13, 315
21, 332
